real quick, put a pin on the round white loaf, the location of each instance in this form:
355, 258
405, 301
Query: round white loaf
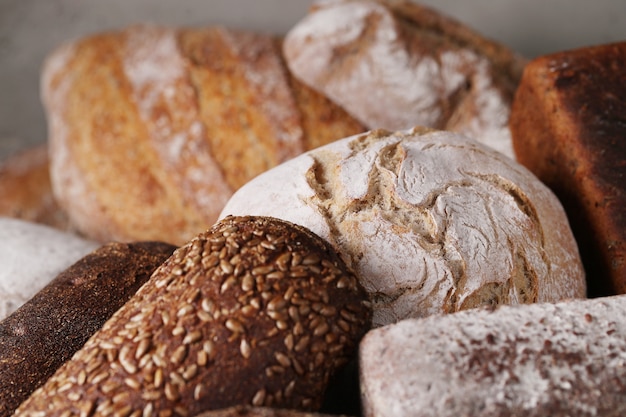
31, 256
431, 221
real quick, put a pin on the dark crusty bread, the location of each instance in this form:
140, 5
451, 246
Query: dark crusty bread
568, 124
26, 191
255, 311
48, 329
173, 119
250, 411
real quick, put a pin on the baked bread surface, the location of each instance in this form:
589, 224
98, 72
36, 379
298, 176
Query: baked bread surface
49, 328
398, 64
173, 120
254, 311
431, 221
568, 128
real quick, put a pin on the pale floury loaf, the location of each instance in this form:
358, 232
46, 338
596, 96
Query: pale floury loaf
31, 255
563, 359
431, 221
397, 64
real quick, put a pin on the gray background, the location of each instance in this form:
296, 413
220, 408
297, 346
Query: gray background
29, 29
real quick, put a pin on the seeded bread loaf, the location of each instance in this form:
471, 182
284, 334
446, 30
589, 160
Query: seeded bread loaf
26, 191
48, 329
568, 128
255, 311
398, 64
431, 221
249, 411
559, 360
32, 255
174, 120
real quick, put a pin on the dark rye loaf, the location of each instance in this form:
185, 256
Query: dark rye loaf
254, 311
568, 123
47, 330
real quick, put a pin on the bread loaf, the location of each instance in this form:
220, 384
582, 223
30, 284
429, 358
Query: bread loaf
48, 329
32, 255
398, 64
255, 311
249, 411
174, 120
568, 128
431, 221
26, 189
563, 359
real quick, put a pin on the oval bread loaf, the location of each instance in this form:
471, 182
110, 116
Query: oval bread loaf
32, 255
431, 221
174, 120
398, 64
48, 329
254, 311
562, 359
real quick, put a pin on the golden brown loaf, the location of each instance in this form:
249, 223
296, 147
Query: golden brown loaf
568, 125
151, 129
47, 330
255, 311
398, 64
26, 191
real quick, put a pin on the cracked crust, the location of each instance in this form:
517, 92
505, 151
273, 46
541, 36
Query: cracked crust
397, 64
431, 221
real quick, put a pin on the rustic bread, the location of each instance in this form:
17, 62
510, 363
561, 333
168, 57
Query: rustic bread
174, 120
431, 221
568, 128
48, 329
249, 411
255, 311
26, 189
558, 360
398, 64
32, 255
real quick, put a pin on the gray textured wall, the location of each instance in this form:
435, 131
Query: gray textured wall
29, 29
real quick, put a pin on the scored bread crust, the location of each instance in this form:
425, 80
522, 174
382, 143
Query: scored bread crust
431, 221
152, 128
397, 64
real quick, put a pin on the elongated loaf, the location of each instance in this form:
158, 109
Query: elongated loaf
32, 255
568, 128
47, 330
398, 64
173, 120
255, 311
563, 359
431, 221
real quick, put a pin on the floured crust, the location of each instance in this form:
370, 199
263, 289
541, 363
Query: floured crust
431, 221
173, 120
397, 64
31, 256
563, 359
